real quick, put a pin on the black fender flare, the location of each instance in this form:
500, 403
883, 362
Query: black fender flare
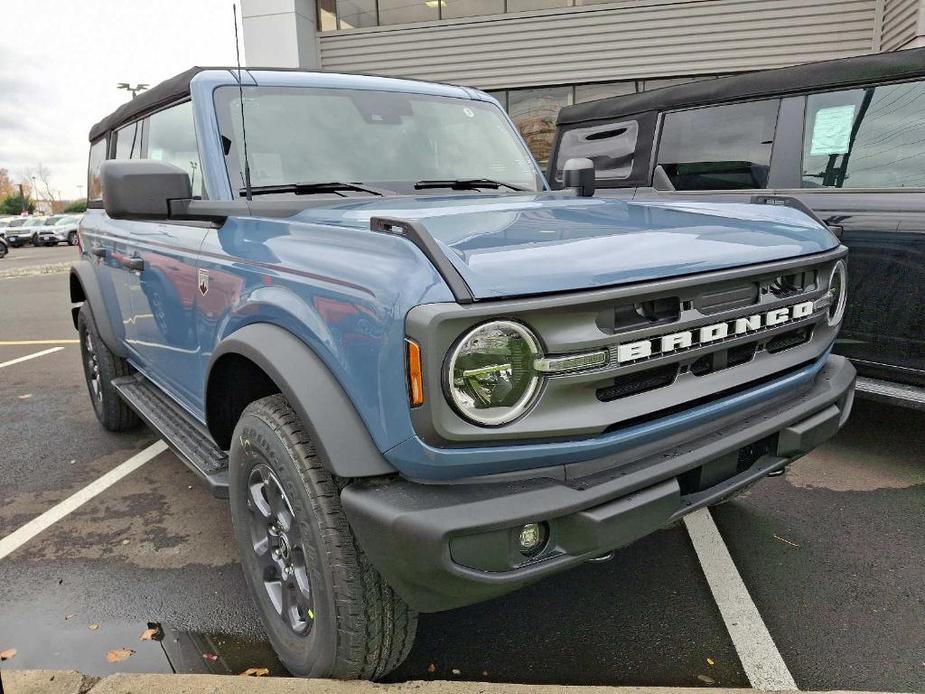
85, 288
338, 433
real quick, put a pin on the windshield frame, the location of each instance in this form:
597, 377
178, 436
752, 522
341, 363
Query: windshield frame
223, 96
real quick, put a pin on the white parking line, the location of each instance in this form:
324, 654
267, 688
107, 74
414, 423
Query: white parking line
19, 537
763, 664
30, 356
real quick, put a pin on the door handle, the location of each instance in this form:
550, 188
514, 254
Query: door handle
99, 252
135, 264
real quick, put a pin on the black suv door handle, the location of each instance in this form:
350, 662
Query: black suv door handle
99, 252
135, 264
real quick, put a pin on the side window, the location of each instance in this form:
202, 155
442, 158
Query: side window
94, 183
724, 147
171, 138
866, 138
128, 141
610, 147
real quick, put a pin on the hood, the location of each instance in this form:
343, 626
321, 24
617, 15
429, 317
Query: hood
519, 245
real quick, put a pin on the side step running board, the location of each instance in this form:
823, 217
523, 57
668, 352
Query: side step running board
891, 393
185, 436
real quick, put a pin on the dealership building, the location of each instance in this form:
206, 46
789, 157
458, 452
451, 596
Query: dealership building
536, 56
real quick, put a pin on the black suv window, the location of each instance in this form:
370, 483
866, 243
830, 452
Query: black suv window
720, 147
866, 138
609, 146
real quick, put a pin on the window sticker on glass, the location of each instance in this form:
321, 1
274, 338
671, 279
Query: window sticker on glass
832, 130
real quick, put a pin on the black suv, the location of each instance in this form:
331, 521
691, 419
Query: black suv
845, 137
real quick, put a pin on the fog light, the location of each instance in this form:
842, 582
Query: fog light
532, 538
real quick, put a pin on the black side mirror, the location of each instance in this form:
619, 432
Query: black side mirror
578, 173
142, 188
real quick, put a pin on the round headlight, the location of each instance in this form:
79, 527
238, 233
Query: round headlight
838, 292
490, 375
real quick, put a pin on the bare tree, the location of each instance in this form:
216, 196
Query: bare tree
41, 176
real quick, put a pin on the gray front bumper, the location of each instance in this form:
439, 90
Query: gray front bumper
442, 546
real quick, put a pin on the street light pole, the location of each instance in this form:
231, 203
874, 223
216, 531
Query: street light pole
140, 87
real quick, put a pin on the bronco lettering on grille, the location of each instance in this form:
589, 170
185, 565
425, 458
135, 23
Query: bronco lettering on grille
664, 344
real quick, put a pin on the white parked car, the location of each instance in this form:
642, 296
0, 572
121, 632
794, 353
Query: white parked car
59, 229
19, 231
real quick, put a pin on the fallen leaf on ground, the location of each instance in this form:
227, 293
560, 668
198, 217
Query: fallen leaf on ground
210, 656
455, 671
706, 680
784, 539
256, 672
431, 668
125, 542
710, 661
26, 396
68, 616
148, 635
93, 627
117, 655
7, 654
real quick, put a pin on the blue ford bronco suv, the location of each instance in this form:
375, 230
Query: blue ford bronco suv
422, 379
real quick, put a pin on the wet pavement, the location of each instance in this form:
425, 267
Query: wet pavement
832, 554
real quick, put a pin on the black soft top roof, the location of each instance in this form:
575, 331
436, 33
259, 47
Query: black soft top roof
168, 91
788, 80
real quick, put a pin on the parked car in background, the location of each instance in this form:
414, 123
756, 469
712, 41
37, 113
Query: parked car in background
421, 378
845, 137
4, 246
29, 232
17, 231
59, 229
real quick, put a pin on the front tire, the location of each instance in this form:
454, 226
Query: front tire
327, 611
2, 250
71, 239
101, 366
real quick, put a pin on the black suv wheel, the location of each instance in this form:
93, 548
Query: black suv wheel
101, 366
327, 612
71, 239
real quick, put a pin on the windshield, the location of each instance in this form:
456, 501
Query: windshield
66, 220
390, 139
19, 222
51, 221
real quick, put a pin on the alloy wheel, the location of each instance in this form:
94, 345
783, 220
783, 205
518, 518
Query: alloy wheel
278, 547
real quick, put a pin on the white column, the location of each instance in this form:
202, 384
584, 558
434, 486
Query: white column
280, 33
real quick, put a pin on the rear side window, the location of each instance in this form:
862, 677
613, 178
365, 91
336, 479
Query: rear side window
611, 147
866, 138
128, 141
724, 147
94, 182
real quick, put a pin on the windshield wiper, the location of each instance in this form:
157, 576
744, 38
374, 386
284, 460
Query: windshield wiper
464, 184
312, 188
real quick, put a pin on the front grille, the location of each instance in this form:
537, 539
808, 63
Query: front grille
789, 340
640, 382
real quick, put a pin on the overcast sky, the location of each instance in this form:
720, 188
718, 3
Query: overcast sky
60, 61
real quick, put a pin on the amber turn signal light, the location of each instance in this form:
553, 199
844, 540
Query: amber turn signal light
415, 377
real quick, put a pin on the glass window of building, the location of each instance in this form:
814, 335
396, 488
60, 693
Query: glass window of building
719, 148
525, 5
408, 11
453, 9
866, 138
327, 15
354, 14
591, 92
534, 112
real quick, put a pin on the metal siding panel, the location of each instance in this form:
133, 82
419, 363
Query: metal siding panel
609, 42
900, 18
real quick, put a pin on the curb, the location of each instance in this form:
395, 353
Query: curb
63, 682
33, 270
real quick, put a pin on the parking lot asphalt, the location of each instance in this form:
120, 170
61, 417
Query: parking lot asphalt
831, 553
27, 256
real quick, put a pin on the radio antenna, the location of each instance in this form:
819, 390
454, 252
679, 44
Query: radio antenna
237, 53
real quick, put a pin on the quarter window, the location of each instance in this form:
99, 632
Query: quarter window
719, 148
128, 141
866, 138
